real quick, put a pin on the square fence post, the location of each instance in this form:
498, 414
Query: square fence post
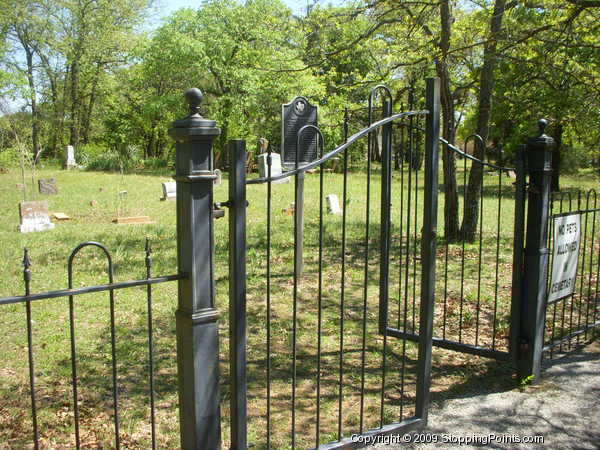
197, 328
533, 312
428, 247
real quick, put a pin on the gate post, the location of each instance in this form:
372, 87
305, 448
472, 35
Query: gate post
533, 313
428, 246
197, 329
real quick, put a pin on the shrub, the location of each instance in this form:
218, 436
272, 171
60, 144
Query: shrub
9, 158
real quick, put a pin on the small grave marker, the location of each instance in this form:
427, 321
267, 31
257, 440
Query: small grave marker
169, 190
219, 175
34, 217
333, 204
47, 186
69, 162
20, 186
60, 216
511, 174
263, 167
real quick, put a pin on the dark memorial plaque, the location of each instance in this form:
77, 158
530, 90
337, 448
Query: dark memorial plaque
294, 115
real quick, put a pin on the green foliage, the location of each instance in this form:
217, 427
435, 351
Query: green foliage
9, 158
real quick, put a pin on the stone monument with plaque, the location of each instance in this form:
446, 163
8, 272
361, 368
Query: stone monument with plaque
294, 115
34, 217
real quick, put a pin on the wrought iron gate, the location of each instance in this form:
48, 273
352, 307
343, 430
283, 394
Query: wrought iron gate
317, 368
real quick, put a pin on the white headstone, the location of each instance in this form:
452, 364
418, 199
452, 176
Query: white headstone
263, 168
219, 175
34, 217
333, 204
70, 157
169, 190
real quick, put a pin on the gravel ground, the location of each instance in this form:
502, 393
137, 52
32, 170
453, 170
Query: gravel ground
564, 409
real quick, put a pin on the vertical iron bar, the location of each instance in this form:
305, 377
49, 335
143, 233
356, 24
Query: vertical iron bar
27, 280
113, 348
519, 237
73, 360
589, 295
409, 203
480, 259
428, 247
237, 292
320, 296
572, 296
462, 255
415, 230
269, 206
401, 222
582, 249
297, 188
386, 206
495, 318
148, 261
343, 280
366, 271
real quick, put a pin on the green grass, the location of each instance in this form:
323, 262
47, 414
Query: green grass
50, 250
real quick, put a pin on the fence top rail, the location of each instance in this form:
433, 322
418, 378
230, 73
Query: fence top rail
89, 289
339, 149
472, 158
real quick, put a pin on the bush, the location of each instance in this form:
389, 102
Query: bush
9, 158
112, 160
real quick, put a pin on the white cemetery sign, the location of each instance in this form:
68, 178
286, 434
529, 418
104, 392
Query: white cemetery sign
567, 234
263, 168
70, 157
169, 190
34, 217
333, 204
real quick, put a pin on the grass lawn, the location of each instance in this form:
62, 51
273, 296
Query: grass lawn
91, 200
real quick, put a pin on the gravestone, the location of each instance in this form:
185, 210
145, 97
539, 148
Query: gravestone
34, 217
263, 167
294, 115
47, 186
219, 175
333, 204
69, 162
169, 190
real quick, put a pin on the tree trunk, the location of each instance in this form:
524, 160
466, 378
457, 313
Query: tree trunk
472, 196
448, 128
556, 157
35, 123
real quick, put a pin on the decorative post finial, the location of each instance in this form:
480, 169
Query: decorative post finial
194, 98
542, 123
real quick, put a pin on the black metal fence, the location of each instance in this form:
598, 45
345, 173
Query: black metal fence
330, 341
73, 409
319, 369
573, 320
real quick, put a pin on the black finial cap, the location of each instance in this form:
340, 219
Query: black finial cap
194, 98
542, 141
542, 123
